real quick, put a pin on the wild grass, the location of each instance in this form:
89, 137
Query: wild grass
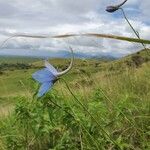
117, 96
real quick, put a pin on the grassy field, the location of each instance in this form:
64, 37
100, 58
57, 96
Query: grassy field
100, 105
15, 59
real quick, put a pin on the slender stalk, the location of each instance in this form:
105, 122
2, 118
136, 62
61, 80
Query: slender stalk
109, 36
135, 32
78, 101
76, 119
94, 141
61, 108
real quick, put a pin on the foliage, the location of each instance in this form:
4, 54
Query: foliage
117, 100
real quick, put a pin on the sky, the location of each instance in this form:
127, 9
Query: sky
54, 17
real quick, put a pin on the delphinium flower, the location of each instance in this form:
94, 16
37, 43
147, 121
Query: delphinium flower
114, 8
49, 75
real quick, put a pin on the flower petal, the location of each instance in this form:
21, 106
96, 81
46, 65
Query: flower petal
44, 88
50, 68
43, 75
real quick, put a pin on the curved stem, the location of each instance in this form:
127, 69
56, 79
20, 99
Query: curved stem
119, 5
109, 36
70, 66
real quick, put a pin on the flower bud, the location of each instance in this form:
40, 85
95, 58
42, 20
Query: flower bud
111, 9
114, 8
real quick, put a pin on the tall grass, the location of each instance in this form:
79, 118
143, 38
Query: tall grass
118, 100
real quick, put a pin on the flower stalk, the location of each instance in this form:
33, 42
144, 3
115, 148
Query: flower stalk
82, 105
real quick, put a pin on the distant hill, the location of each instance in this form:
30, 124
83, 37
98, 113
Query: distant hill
101, 62
135, 60
54, 54
17, 59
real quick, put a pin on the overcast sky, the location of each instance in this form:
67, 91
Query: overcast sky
53, 17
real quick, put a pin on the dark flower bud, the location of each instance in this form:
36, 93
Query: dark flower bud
114, 8
111, 9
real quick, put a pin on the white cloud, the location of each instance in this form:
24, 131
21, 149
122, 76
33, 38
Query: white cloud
68, 16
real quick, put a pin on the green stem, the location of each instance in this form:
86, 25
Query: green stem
76, 119
135, 32
78, 101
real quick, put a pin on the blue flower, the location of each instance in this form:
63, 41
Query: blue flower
48, 76
115, 7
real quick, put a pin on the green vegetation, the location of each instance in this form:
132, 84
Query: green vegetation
115, 93
15, 59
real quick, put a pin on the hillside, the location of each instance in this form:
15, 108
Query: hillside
135, 60
114, 93
16, 69
138, 58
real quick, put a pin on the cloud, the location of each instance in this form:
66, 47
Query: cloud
69, 16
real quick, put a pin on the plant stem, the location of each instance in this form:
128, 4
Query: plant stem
79, 122
136, 33
78, 101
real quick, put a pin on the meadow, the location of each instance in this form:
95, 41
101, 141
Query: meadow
98, 105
